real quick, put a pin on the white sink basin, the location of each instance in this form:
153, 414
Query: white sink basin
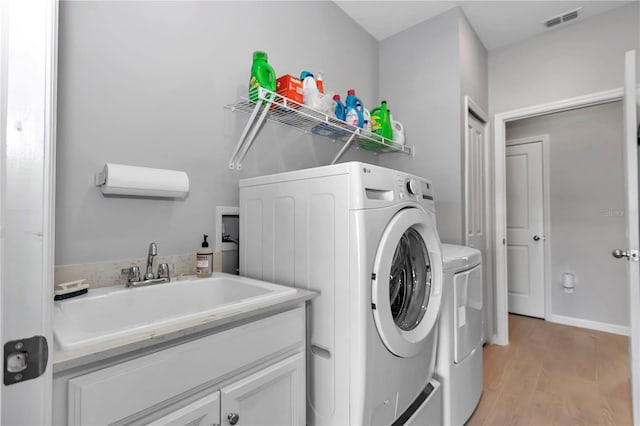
116, 312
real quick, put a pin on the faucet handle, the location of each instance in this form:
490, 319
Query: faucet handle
133, 273
164, 270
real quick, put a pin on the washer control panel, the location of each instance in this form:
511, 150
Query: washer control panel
413, 188
380, 185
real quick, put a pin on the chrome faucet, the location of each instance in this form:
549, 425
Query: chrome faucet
133, 273
153, 252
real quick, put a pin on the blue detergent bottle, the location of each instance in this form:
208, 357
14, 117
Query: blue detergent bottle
341, 110
355, 109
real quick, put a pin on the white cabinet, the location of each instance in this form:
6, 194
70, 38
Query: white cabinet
255, 370
274, 396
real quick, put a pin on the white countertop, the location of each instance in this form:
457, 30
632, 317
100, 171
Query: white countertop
64, 360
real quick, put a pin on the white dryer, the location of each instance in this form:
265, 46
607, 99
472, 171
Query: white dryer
365, 238
459, 366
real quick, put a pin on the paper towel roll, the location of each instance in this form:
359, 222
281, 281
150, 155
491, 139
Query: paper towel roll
119, 179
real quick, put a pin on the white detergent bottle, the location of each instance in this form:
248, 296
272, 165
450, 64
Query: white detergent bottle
367, 120
310, 93
398, 131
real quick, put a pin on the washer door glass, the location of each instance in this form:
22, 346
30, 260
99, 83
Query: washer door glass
407, 282
410, 281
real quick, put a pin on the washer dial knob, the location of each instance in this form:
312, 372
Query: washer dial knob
413, 187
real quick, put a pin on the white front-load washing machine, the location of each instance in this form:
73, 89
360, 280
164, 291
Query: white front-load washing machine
364, 237
459, 366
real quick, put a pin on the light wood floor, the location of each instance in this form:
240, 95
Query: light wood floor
552, 374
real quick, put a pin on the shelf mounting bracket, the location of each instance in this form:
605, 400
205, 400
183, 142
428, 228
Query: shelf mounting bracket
251, 130
345, 147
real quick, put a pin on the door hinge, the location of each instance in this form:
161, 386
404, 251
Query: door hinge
25, 359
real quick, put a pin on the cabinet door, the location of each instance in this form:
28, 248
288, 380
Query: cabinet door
203, 412
272, 396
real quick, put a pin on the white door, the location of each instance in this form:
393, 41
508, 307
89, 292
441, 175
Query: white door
525, 233
273, 396
27, 88
630, 253
476, 189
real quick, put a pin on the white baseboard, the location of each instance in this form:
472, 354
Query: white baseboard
591, 325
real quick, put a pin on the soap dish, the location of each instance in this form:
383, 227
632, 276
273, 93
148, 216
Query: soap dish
70, 289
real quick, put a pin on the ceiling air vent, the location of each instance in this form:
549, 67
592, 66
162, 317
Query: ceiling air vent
570, 15
553, 22
562, 18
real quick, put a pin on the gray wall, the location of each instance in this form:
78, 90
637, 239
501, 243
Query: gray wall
420, 79
425, 72
144, 83
474, 80
576, 60
474, 74
587, 209
474, 65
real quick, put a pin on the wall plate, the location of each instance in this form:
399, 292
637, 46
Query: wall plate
220, 212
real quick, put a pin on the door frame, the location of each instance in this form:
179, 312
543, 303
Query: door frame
39, 297
501, 336
471, 107
630, 111
4, 60
546, 214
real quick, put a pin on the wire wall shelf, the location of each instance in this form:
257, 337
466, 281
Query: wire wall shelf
273, 107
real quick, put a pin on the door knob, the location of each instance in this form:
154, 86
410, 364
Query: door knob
537, 238
619, 253
233, 418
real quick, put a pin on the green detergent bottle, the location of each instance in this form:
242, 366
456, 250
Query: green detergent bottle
387, 126
381, 121
262, 75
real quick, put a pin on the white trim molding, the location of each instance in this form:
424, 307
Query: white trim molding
4, 66
564, 105
472, 108
471, 105
591, 325
28, 100
501, 336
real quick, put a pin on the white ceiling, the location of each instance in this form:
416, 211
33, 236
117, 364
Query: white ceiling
497, 23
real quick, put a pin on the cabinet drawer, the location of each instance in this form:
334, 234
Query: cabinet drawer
114, 393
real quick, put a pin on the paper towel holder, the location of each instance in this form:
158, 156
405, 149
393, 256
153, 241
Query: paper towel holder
135, 181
